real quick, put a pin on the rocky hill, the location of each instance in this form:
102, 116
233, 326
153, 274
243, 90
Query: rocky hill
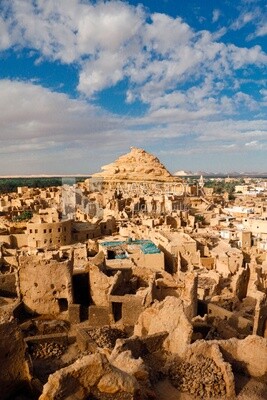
135, 165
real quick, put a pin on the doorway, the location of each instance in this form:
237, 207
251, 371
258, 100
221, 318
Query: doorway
117, 311
81, 293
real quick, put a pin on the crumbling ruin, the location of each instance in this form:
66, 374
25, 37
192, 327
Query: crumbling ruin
132, 285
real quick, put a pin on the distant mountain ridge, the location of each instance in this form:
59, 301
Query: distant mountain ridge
219, 174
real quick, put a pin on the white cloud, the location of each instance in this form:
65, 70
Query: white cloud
255, 145
261, 30
216, 15
32, 112
263, 92
96, 75
4, 35
244, 100
104, 34
244, 18
190, 80
110, 41
47, 132
228, 129
107, 26
255, 15
164, 31
243, 56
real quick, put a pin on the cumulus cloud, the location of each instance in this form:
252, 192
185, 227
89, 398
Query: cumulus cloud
31, 111
99, 37
35, 121
112, 41
191, 82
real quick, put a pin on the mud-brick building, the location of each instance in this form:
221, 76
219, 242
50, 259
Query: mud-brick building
142, 253
46, 229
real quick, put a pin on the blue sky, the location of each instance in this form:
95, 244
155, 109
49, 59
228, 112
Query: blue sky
81, 81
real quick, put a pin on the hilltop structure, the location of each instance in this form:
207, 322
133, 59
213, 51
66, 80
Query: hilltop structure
137, 165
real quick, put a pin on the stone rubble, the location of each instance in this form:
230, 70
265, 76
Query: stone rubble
203, 378
106, 336
47, 350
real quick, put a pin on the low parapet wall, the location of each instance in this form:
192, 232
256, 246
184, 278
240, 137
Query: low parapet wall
53, 337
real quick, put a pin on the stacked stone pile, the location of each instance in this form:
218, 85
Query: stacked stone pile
47, 350
106, 336
202, 379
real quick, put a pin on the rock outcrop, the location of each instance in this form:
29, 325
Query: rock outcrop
137, 165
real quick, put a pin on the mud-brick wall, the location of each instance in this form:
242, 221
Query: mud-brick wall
14, 369
45, 285
131, 309
8, 285
249, 354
